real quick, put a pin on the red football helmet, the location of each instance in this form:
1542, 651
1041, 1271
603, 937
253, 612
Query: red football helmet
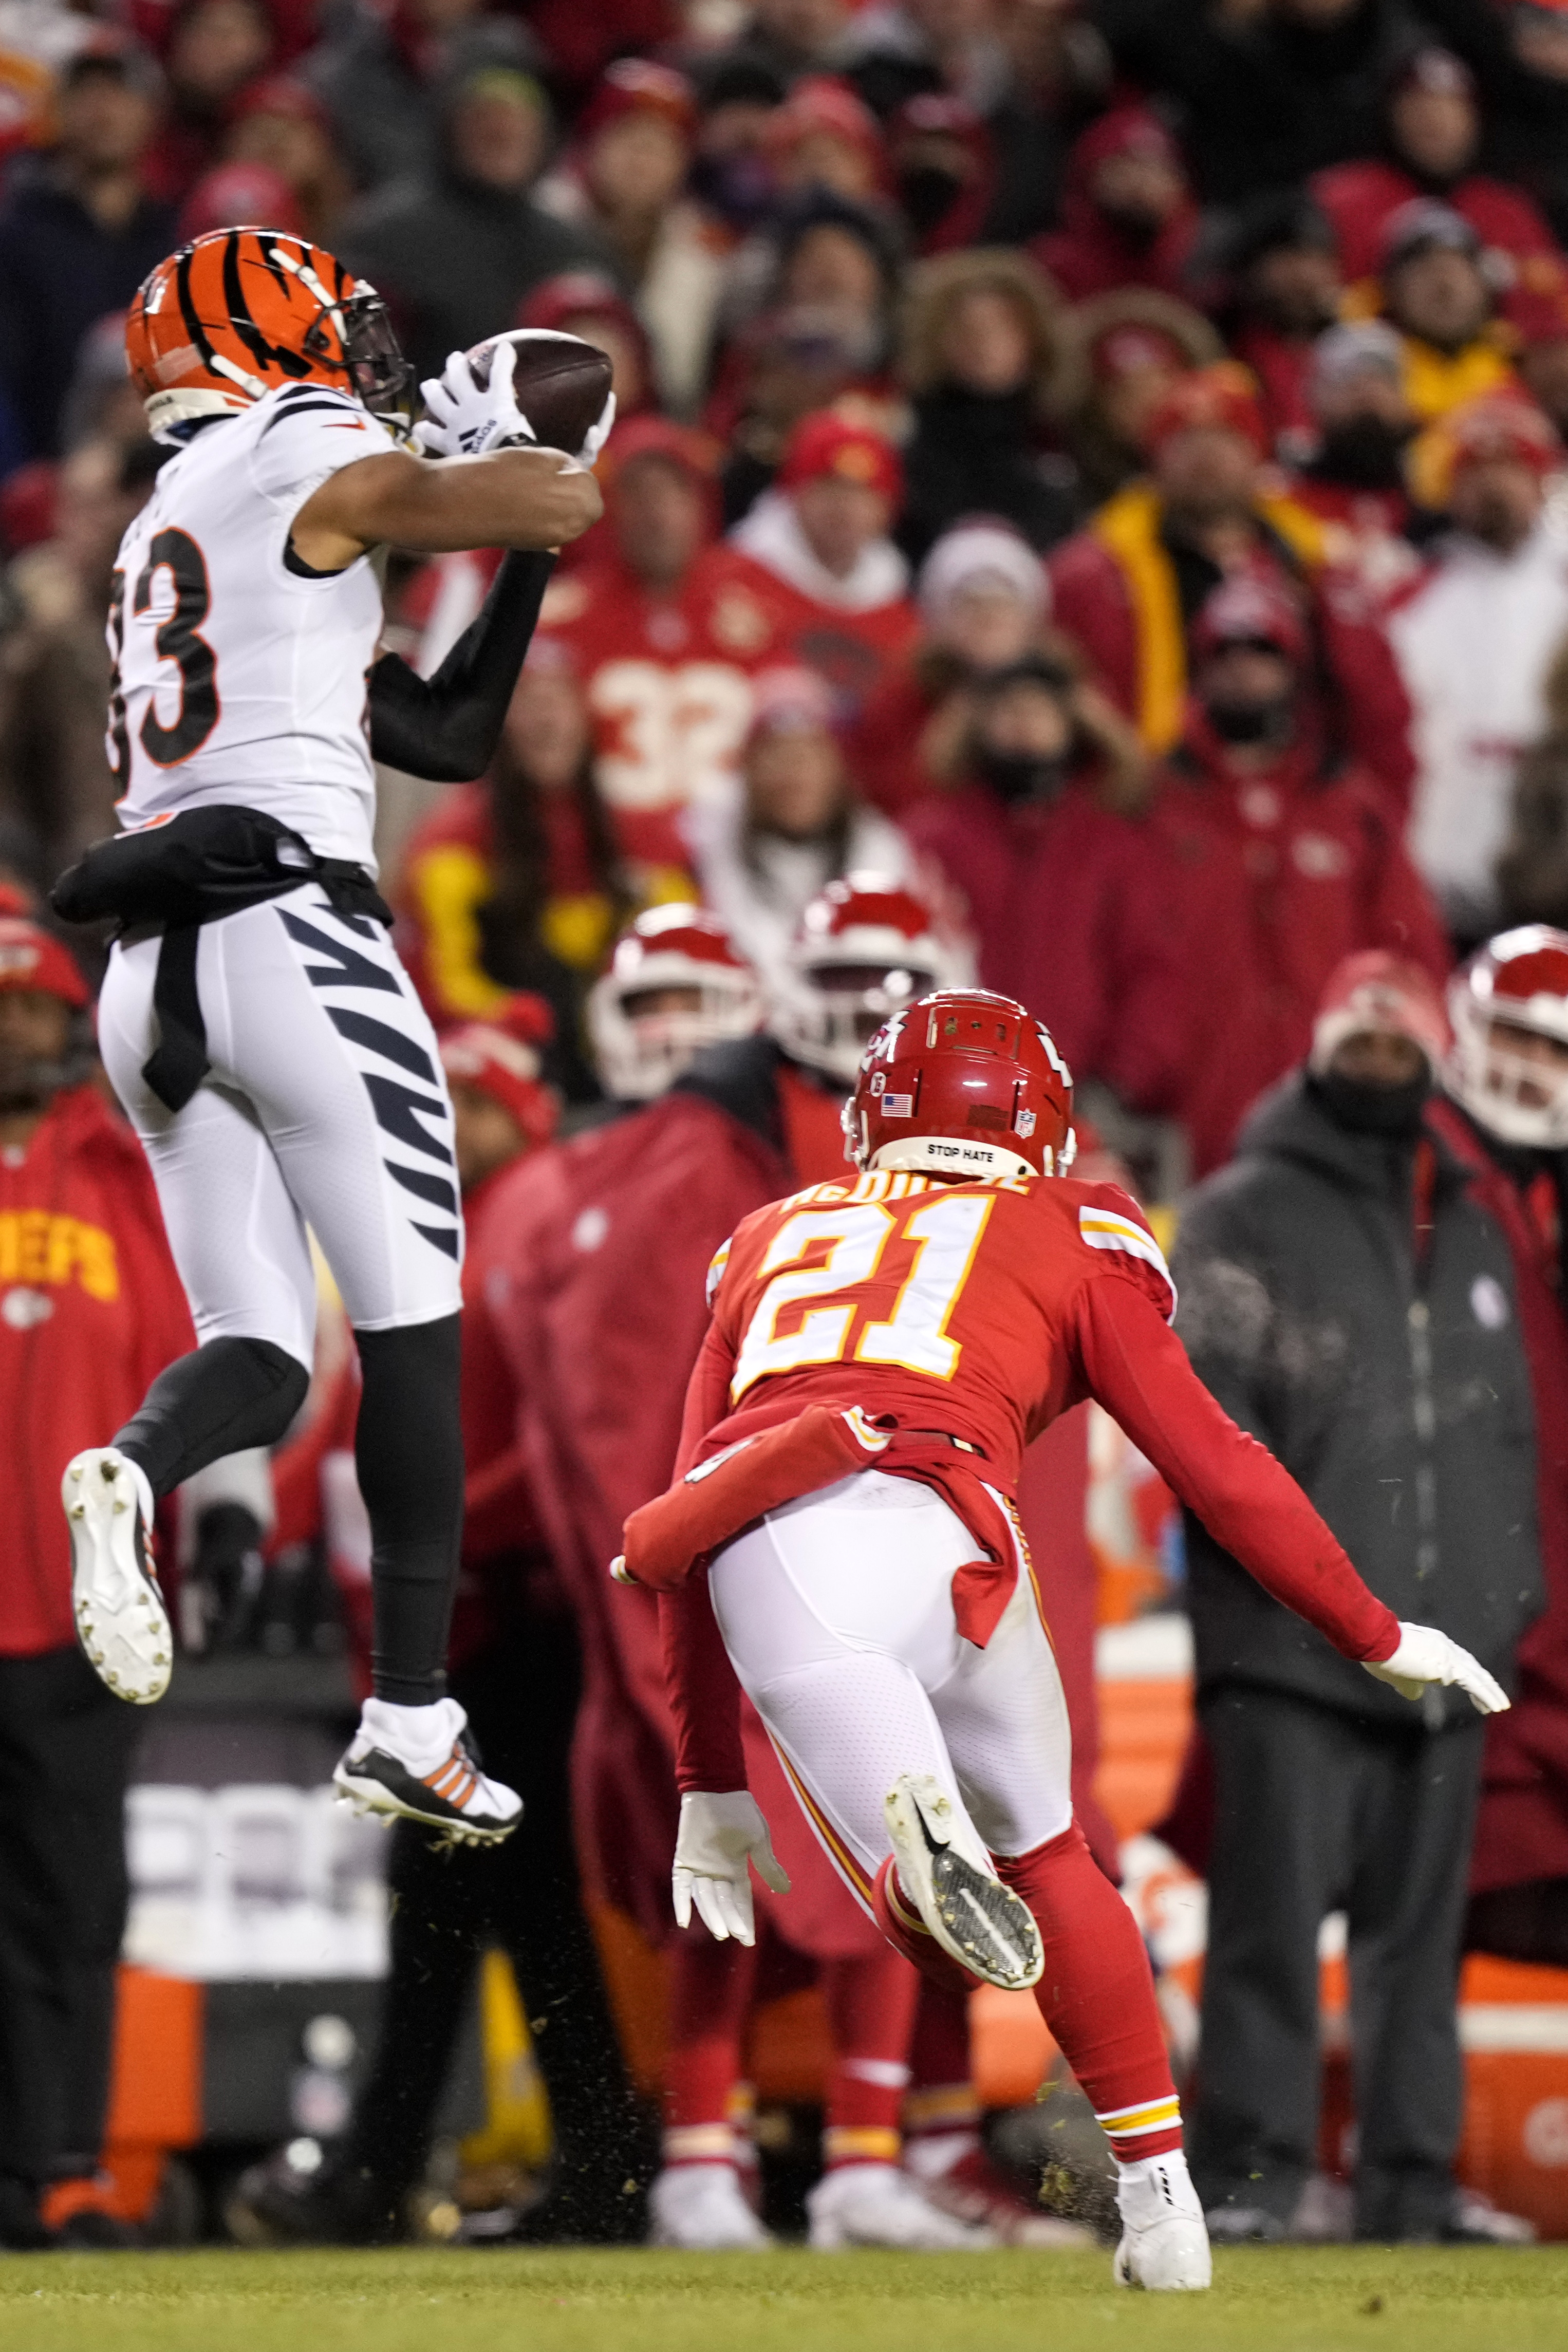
1516, 986
866, 948
674, 985
964, 1083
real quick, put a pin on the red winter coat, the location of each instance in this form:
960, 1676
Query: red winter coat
1111, 613
1361, 198
1069, 907
91, 1311
1282, 364
1274, 875
1088, 254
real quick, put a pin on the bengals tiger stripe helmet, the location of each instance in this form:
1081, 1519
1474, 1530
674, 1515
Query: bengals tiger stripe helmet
241, 312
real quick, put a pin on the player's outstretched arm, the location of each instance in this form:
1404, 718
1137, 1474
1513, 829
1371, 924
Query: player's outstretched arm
516, 497
447, 727
1137, 1368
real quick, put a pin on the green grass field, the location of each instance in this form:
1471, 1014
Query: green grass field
1279, 2300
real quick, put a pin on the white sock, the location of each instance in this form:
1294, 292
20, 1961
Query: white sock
427, 1730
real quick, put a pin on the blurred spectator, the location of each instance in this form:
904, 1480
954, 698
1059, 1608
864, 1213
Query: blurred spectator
1536, 310
1475, 636
215, 48
79, 229
730, 176
1284, 286
1118, 355
1284, 858
1128, 217
1337, 1286
824, 251
780, 369
1061, 885
1058, 72
820, 537
823, 139
791, 38
234, 196
102, 404
91, 1311
455, 248
1436, 295
798, 826
1532, 864
515, 1666
900, 49
54, 669
1265, 91
518, 882
580, 42
584, 302
1432, 136
1353, 472
666, 629
623, 178
382, 77
983, 599
1129, 587
944, 168
280, 123
979, 354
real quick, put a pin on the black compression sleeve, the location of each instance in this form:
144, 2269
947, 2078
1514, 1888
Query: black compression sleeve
447, 727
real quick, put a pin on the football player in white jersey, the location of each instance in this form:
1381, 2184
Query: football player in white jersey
255, 1021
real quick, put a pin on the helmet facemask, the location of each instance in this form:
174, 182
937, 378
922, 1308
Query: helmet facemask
1517, 1094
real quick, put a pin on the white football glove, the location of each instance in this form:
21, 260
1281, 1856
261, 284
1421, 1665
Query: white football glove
588, 455
464, 421
1424, 1655
717, 1838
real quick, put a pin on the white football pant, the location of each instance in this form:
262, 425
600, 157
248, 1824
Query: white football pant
838, 1615
326, 1105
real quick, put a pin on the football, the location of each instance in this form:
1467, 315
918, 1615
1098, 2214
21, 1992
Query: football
560, 382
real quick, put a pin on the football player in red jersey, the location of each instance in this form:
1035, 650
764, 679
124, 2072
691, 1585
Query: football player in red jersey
866, 1575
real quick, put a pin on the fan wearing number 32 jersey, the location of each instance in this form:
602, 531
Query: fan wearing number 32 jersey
951, 1299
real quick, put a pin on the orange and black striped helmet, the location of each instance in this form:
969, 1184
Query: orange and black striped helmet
243, 310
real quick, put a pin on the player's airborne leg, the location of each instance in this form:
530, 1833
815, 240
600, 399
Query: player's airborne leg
255, 1022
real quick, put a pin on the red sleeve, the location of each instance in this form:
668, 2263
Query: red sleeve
704, 1696
1089, 601
1137, 1368
1376, 708
707, 1396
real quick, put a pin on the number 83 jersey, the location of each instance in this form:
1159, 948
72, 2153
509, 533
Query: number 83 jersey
239, 674
951, 1306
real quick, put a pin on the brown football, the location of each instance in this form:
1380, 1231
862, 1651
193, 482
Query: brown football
561, 383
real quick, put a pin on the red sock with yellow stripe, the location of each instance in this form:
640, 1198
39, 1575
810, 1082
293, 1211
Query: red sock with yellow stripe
1096, 1994
870, 2015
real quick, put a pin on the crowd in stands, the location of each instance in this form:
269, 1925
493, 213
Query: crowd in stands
1099, 468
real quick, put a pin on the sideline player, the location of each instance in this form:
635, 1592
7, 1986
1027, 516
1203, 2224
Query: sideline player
887, 1627
256, 1023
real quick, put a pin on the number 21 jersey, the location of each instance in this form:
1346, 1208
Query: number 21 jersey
948, 1306
238, 678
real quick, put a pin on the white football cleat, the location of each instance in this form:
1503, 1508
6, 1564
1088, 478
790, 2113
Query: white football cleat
948, 1875
702, 2210
880, 2205
1164, 2245
121, 1620
414, 1763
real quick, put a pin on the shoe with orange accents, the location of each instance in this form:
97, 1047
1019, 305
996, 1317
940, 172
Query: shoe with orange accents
414, 1763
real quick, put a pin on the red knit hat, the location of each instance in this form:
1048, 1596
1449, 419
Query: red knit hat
32, 958
1502, 426
1248, 609
635, 86
241, 195
822, 106
824, 444
1385, 993
501, 1058
1124, 130
1223, 397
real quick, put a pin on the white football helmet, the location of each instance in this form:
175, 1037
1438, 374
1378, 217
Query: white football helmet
642, 1041
1516, 985
866, 948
